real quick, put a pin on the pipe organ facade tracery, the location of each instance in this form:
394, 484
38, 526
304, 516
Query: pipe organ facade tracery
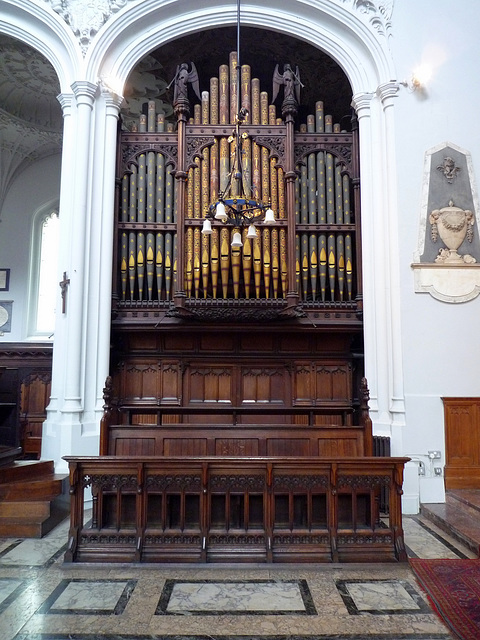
170, 174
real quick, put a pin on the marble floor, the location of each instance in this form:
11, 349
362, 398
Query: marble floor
41, 598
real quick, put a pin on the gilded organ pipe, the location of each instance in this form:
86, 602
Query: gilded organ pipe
324, 237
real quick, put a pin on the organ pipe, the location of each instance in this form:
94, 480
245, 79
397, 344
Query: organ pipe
148, 241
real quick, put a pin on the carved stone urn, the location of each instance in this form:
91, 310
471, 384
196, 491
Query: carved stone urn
453, 225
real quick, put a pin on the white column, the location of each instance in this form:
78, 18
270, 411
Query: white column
100, 258
387, 93
383, 352
63, 427
362, 104
65, 219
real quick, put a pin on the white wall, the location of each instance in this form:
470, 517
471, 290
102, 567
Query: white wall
441, 341
36, 187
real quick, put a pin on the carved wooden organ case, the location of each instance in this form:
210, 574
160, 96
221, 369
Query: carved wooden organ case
207, 332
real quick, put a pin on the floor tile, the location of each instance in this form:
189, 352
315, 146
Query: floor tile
236, 597
89, 597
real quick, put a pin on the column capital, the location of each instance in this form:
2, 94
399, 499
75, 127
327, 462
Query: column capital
361, 102
387, 90
84, 92
113, 98
66, 102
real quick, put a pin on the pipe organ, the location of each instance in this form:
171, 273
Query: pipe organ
236, 422
169, 175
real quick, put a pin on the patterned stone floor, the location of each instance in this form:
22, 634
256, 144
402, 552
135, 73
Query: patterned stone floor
43, 599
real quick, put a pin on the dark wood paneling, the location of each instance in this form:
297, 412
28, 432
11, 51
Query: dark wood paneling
462, 443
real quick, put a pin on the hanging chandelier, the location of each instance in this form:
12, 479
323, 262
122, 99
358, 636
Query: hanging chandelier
236, 205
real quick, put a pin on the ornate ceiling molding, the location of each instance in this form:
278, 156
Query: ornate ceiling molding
86, 18
21, 145
377, 13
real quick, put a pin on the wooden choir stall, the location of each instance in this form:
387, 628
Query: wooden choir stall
236, 423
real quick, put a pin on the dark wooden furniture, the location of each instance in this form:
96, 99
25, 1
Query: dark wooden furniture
234, 492
462, 443
25, 378
227, 509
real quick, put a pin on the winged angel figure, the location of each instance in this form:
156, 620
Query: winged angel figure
291, 82
181, 80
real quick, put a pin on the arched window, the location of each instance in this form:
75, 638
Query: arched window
43, 274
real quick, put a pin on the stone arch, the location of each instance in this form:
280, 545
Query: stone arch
357, 46
45, 31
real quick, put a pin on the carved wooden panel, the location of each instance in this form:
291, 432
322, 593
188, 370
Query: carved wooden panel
336, 446
140, 382
237, 447
333, 382
135, 447
34, 398
264, 385
170, 383
189, 440
288, 447
185, 447
462, 443
304, 384
209, 384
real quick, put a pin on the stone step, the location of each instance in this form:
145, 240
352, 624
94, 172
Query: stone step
31, 498
459, 516
25, 470
45, 488
34, 526
20, 511
470, 497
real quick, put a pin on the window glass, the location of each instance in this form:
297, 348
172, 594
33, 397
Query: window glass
47, 274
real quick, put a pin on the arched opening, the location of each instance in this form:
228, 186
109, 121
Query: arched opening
261, 49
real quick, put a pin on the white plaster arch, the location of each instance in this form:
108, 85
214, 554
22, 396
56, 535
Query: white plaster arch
37, 25
338, 31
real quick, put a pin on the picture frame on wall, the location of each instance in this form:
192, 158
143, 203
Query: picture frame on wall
4, 279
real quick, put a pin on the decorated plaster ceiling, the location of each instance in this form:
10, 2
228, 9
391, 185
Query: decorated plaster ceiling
29, 86
30, 115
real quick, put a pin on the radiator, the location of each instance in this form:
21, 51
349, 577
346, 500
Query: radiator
381, 448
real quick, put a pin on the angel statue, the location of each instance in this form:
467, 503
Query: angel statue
291, 83
181, 80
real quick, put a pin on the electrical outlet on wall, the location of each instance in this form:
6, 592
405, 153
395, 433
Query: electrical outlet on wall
434, 455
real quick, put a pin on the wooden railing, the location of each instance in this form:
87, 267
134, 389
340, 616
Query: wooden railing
213, 509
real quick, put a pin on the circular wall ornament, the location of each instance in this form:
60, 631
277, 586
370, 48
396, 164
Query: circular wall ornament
4, 316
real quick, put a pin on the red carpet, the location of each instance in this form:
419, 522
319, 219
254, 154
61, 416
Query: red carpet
453, 588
